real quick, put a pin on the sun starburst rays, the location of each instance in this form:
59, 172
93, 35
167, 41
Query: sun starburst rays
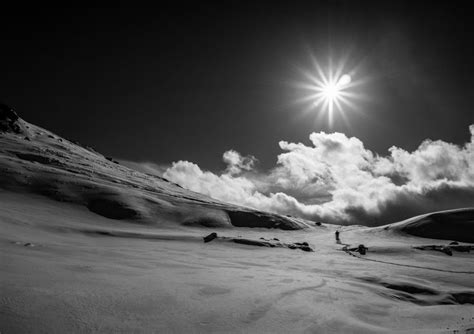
329, 90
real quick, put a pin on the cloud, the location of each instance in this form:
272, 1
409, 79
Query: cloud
336, 179
236, 163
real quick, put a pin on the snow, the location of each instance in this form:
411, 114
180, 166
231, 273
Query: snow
449, 225
67, 268
55, 167
70, 280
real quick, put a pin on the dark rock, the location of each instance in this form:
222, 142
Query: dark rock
362, 249
318, 224
301, 243
466, 249
454, 243
447, 250
262, 242
210, 237
276, 239
8, 119
7, 113
27, 138
28, 244
252, 242
111, 159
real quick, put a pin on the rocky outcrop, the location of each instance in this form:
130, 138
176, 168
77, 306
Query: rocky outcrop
10, 122
8, 119
304, 246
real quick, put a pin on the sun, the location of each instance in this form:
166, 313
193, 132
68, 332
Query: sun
329, 91
332, 92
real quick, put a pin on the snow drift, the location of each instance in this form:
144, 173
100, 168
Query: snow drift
448, 225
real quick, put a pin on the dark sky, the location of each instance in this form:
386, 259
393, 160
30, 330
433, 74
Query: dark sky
164, 84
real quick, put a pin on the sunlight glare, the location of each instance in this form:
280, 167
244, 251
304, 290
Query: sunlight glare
329, 90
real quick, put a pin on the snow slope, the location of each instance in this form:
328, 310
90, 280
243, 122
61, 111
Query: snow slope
90, 246
450, 225
34, 160
62, 273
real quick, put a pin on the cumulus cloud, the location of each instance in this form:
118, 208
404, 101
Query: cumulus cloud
236, 163
336, 179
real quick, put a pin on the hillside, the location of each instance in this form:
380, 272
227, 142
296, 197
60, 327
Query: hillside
455, 225
35, 160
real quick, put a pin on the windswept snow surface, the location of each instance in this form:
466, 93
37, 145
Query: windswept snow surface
90, 246
62, 273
